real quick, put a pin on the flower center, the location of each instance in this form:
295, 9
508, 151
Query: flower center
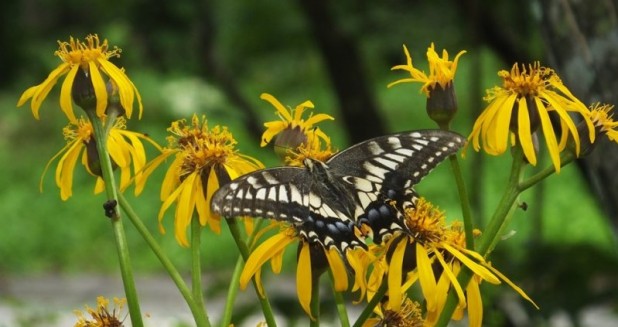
80, 53
425, 222
201, 147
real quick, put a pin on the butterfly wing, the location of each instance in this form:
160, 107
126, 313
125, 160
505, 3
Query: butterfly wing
386, 168
288, 194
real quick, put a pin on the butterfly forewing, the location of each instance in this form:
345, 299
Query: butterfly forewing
384, 170
276, 193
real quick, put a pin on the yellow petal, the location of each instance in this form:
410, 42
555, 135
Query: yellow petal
280, 108
66, 99
478, 269
213, 185
43, 89
65, 148
337, 267
185, 208
140, 183
28, 93
64, 171
273, 128
99, 186
263, 253
550, 137
100, 91
303, 279
172, 177
452, 278
426, 276
525, 136
501, 128
475, 304
512, 285
318, 118
395, 297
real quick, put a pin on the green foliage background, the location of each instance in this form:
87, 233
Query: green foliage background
264, 46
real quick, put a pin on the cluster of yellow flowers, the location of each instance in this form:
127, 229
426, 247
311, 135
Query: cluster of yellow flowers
428, 254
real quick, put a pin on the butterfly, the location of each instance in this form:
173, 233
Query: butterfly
329, 201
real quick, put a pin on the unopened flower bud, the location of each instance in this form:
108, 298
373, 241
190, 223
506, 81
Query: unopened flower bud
442, 104
83, 91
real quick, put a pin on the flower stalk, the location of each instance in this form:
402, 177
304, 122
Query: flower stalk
119, 234
492, 231
196, 267
198, 313
344, 320
244, 252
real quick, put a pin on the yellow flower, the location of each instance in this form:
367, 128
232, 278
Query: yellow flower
602, 117
527, 98
432, 244
293, 123
311, 258
125, 149
101, 316
204, 159
92, 57
441, 70
409, 315
312, 148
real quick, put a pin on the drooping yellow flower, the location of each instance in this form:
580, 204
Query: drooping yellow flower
432, 244
526, 100
90, 58
125, 149
311, 258
203, 159
292, 123
101, 316
441, 70
602, 117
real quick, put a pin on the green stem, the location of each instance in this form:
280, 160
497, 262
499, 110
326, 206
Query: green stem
232, 291
244, 252
491, 233
465, 202
196, 265
371, 305
315, 300
119, 234
340, 303
198, 313
565, 159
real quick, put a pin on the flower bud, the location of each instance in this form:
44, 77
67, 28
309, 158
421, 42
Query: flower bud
83, 91
289, 139
442, 104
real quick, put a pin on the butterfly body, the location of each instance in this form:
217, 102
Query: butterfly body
329, 201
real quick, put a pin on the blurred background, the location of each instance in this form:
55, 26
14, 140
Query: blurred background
216, 57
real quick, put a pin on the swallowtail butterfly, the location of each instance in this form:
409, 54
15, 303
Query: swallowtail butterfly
328, 201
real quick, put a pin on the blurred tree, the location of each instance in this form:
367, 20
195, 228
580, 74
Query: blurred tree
582, 43
345, 68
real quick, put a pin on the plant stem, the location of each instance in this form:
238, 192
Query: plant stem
465, 202
339, 301
234, 283
491, 233
244, 252
371, 305
232, 292
198, 313
315, 300
196, 266
111, 190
